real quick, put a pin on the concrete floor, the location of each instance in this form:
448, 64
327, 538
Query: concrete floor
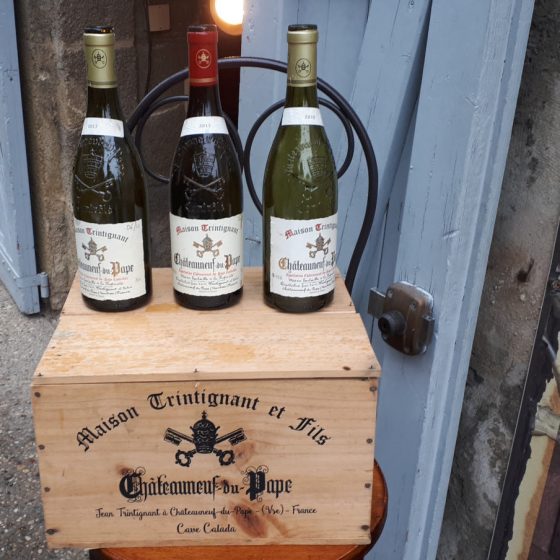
22, 342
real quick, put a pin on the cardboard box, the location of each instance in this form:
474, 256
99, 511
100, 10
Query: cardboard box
167, 426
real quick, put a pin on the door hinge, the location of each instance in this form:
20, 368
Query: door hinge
40, 280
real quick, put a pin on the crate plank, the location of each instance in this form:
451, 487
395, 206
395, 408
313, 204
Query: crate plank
312, 492
165, 340
251, 346
252, 299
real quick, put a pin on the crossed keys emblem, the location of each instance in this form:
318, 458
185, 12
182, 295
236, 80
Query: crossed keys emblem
206, 246
320, 245
214, 187
100, 189
204, 438
93, 251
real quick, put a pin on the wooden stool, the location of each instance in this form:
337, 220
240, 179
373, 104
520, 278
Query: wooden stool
265, 552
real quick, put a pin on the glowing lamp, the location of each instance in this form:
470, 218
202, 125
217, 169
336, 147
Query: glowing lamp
228, 15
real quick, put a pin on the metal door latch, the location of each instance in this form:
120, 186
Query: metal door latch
404, 316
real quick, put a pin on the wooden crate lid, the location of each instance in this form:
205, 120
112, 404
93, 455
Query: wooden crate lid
166, 342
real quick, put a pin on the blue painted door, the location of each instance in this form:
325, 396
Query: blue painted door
435, 82
18, 270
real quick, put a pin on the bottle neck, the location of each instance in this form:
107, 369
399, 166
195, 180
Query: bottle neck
204, 95
204, 102
302, 74
101, 67
104, 103
103, 98
301, 96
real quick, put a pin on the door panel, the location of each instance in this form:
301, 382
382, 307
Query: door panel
18, 269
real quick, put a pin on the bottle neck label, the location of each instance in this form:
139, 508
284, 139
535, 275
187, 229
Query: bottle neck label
100, 60
203, 63
204, 125
302, 115
95, 126
302, 64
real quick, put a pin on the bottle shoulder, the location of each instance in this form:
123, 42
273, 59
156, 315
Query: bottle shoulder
302, 141
206, 156
108, 147
107, 158
300, 179
305, 152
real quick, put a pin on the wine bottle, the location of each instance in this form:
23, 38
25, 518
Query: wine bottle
109, 192
206, 218
300, 191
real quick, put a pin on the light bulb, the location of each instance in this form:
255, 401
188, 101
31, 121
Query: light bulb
228, 15
230, 11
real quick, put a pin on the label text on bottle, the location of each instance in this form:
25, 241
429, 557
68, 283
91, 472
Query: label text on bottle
207, 255
94, 126
204, 125
302, 115
111, 260
302, 256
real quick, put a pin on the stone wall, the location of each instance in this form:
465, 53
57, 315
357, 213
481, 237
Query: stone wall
54, 97
515, 282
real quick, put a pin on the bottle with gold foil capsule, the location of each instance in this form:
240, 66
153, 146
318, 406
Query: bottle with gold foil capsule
206, 190
109, 192
300, 191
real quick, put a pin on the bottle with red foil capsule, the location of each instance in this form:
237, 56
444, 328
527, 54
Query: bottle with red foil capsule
206, 217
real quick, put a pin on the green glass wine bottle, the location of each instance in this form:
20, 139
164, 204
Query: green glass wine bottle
300, 191
109, 192
206, 217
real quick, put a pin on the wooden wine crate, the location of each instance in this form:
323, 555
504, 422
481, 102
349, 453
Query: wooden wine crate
167, 426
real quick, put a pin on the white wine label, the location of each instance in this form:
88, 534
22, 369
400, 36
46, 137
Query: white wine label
302, 256
111, 260
207, 255
94, 126
204, 125
302, 115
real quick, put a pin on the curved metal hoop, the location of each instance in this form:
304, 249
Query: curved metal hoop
176, 99
343, 110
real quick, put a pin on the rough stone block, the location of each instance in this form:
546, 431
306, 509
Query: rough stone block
74, 15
